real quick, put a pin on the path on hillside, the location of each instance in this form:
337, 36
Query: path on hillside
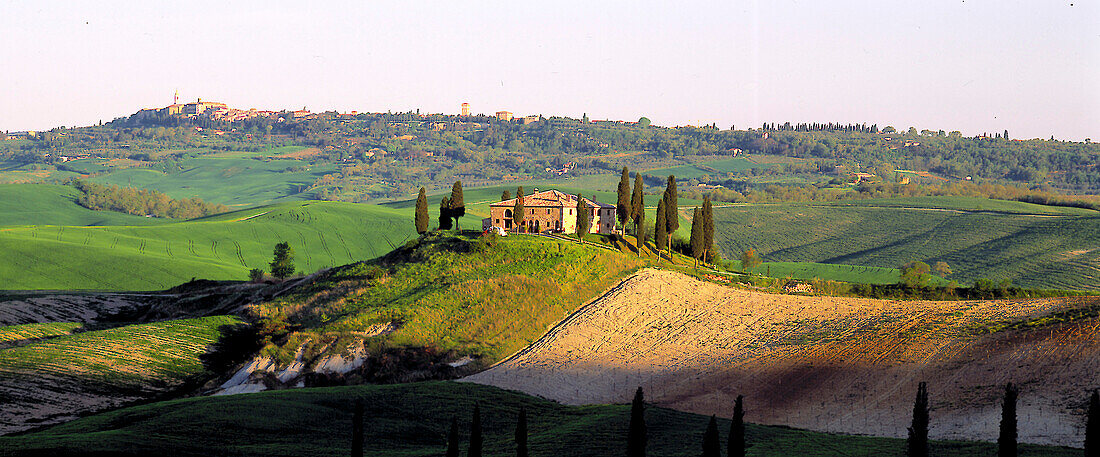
833, 364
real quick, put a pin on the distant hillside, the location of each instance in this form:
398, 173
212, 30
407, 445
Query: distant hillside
51, 204
413, 419
130, 257
842, 365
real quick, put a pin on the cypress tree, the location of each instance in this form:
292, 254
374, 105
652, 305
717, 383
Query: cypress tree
708, 228
458, 203
697, 235
636, 434
917, 444
357, 430
736, 445
623, 208
1006, 442
637, 202
422, 212
517, 212
445, 214
711, 448
659, 236
521, 433
584, 219
475, 434
452, 439
672, 209
1092, 427
282, 262
505, 195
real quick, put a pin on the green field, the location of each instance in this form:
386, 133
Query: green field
715, 169
42, 204
1031, 245
136, 354
413, 419
229, 181
323, 234
16, 333
11, 172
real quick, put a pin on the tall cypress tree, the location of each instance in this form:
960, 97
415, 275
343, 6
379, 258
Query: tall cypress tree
517, 211
505, 195
357, 430
452, 439
637, 203
659, 228
1092, 426
623, 208
672, 209
584, 218
521, 433
458, 202
711, 448
708, 228
445, 214
696, 235
636, 434
422, 218
736, 445
917, 444
475, 434
1006, 442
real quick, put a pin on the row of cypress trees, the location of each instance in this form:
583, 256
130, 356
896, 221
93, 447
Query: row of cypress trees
450, 209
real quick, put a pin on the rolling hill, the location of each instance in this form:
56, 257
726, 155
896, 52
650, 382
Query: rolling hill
831, 364
51, 204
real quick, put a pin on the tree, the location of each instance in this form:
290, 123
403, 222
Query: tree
584, 218
452, 439
505, 195
445, 214
282, 265
711, 448
422, 212
357, 430
521, 433
256, 275
517, 212
637, 212
475, 434
1006, 441
941, 268
696, 239
672, 216
708, 228
623, 208
750, 260
458, 203
636, 434
659, 236
915, 274
917, 443
1092, 426
736, 445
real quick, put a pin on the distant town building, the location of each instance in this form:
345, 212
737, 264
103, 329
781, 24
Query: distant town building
550, 211
530, 119
465, 109
504, 115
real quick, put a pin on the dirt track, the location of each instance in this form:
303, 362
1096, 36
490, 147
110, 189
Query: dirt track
823, 363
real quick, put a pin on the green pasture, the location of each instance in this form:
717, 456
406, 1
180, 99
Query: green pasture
322, 234
13, 173
42, 204
1038, 247
405, 420
229, 181
16, 333
715, 168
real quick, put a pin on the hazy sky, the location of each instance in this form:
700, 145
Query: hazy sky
976, 66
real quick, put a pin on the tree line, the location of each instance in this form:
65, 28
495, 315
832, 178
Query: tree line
142, 202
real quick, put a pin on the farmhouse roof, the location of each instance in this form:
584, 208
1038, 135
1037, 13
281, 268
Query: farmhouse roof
551, 198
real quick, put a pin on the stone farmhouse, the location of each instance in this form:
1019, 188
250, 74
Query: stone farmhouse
550, 211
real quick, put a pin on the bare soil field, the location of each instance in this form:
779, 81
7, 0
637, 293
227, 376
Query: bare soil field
843, 365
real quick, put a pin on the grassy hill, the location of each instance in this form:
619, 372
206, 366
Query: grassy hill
1031, 245
39, 204
323, 234
413, 419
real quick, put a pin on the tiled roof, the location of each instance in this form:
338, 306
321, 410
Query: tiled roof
551, 198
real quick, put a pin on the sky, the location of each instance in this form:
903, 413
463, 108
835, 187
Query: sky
1032, 68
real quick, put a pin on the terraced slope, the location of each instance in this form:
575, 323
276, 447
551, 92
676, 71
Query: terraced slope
1031, 245
323, 234
413, 419
822, 363
60, 378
